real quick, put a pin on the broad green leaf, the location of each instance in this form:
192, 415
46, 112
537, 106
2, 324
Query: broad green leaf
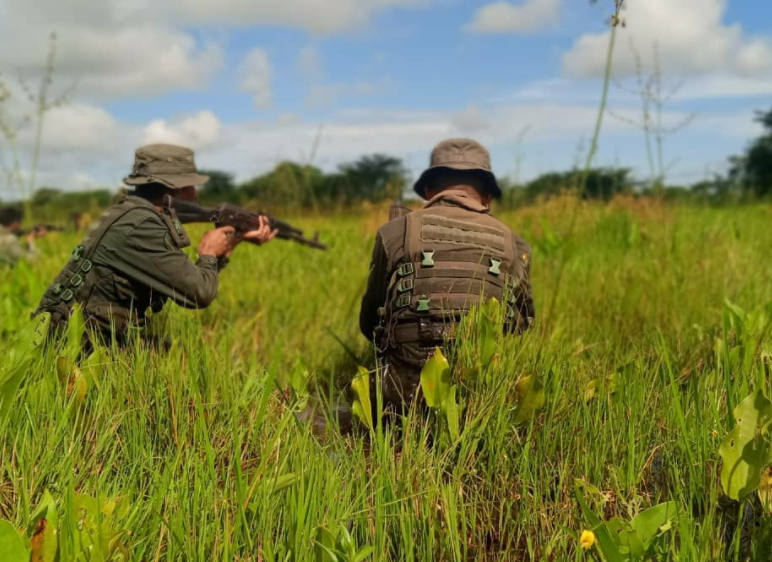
76, 328
746, 451
43, 530
489, 331
364, 553
12, 548
450, 407
647, 526
362, 407
324, 545
530, 398
10, 383
435, 380
284, 481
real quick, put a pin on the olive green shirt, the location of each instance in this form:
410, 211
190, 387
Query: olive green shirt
137, 264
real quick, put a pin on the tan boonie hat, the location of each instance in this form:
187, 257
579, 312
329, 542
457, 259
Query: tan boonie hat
459, 154
167, 164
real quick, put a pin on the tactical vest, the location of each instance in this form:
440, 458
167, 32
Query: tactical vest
452, 259
75, 283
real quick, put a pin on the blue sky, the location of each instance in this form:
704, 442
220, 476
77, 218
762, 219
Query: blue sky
248, 83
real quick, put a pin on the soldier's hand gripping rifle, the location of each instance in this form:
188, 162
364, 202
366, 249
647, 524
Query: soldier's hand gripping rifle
242, 220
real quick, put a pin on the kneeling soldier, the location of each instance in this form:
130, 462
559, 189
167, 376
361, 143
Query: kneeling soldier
432, 265
132, 259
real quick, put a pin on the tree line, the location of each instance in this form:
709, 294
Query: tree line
379, 178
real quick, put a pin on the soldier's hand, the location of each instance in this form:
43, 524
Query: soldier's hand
263, 233
218, 242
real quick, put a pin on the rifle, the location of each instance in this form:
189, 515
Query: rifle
243, 220
37, 229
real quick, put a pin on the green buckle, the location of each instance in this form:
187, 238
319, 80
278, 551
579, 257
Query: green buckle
57, 288
403, 301
86, 267
423, 304
405, 269
405, 285
512, 299
76, 280
77, 253
428, 256
67, 295
495, 268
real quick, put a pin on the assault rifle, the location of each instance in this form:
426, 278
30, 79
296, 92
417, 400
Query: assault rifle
242, 220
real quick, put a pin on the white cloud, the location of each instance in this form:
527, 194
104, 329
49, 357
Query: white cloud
110, 48
320, 95
197, 131
691, 38
315, 16
527, 16
309, 63
257, 76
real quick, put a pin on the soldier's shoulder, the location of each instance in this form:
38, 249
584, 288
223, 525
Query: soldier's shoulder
393, 229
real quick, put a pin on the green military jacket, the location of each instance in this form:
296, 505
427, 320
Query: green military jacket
130, 262
461, 234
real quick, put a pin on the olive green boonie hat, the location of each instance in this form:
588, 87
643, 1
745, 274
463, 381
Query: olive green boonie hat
465, 155
167, 164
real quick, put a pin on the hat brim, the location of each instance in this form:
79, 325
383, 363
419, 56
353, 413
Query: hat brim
428, 176
172, 181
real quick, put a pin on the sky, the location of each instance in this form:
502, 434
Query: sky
249, 83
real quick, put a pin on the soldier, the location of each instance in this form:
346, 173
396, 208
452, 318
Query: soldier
132, 259
14, 247
430, 266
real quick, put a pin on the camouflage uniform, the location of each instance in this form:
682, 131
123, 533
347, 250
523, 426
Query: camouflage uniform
429, 267
132, 259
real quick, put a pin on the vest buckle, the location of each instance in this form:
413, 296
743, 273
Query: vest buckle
405, 285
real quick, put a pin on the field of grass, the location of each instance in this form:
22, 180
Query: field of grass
197, 454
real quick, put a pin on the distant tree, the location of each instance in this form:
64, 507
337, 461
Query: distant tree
753, 170
373, 178
219, 188
288, 183
601, 183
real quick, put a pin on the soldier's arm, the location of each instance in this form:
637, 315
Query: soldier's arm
377, 286
149, 256
525, 311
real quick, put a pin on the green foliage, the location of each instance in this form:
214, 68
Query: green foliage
339, 546
640, 538
362, 407
439, 393
601, 184
220, 188
211, 462
747, 450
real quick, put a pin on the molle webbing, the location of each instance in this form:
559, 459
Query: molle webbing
445, 230
75, 282
453, 258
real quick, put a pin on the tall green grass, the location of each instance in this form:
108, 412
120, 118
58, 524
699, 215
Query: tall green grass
205, 459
